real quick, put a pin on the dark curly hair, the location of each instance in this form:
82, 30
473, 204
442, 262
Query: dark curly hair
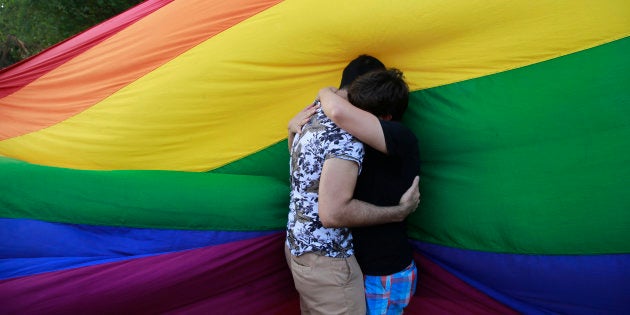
381, 93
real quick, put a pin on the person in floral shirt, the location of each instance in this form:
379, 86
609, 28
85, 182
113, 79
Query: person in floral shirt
318, 248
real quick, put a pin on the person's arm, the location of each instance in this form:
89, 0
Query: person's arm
359, 123
301, 118
338, 208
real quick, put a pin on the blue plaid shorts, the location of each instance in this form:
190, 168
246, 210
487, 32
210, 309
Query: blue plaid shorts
390, 294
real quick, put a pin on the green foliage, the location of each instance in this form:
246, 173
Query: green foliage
29, 26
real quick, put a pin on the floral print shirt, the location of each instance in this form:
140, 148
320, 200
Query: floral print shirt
320, 139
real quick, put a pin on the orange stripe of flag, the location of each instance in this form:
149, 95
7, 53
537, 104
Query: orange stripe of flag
90, 77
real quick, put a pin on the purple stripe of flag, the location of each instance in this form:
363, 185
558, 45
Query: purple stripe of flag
243, 277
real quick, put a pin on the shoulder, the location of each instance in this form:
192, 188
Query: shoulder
397, 129
338, 143
399, 139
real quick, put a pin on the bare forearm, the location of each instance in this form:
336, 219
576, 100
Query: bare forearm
358, 213
360, 123
337, 208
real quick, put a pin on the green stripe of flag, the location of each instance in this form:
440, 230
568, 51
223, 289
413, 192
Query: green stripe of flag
533, 160
155, 199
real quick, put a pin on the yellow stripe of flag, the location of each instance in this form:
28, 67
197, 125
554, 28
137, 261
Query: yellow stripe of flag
233, 94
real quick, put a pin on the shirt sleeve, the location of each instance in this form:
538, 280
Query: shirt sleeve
344, 146
398, 138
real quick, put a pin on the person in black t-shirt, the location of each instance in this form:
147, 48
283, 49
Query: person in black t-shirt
390, 165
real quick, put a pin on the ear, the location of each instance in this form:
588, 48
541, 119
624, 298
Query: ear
387, 117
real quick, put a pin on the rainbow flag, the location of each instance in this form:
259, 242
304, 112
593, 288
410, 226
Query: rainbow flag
144, 165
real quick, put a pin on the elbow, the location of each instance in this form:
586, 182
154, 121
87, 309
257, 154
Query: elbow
329, 219
335, 114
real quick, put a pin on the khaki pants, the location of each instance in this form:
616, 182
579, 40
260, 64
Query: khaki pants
327, 285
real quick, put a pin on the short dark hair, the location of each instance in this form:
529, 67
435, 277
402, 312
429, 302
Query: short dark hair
381, 93
359, 66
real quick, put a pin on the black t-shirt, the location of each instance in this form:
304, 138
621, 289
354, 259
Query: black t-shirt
384, 249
